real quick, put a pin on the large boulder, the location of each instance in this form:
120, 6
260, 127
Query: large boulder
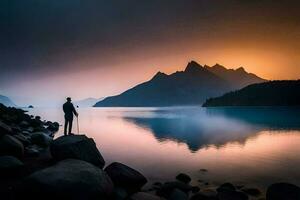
283, 191
77, 147
68, 179
9, 145
41, 139
10, 167
4, 129
125, 177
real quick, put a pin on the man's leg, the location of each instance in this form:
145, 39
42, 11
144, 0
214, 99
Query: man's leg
66, 126
70, 126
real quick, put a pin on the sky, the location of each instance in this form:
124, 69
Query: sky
94, 48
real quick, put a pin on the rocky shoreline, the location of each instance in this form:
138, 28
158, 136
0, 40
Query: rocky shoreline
34, 165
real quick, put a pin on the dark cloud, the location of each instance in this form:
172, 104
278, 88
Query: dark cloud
38, 36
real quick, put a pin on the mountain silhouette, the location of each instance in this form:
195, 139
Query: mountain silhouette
189, 87
7, 101
272, 93
238, 78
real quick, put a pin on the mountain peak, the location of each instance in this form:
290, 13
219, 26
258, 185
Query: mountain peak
192, 67
159, 75
240, 69
218, 66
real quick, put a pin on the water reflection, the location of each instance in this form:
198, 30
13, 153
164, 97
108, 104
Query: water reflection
201, 128
243, 146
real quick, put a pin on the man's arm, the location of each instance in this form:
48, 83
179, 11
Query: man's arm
74, 110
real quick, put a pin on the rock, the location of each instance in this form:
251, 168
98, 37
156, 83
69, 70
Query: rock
119, 193
11, 146
24, 124
201, 196
78, 147
195, 189
168, 187
35, 123
252, 191
283, 191
125, 177
10, 166
177, 194
183, 178
156, 185
30, 129
52, 126
226, 186
227, 194
25, 141
68, 179
5, 129
144, 196
40, 139
31, 151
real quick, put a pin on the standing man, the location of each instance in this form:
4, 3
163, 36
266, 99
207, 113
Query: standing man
69, 110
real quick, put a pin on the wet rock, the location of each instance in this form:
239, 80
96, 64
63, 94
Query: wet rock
231, 195
125, 177
177, 194
183, 178
226, 186
40, 139
68, 179
144, 196
252, 191
283, 191
78, 147
4, 129
11, 146
10, 167
168, 187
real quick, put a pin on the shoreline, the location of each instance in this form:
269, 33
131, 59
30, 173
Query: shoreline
29, 152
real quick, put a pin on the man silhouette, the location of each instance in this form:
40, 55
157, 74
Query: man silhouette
69, 110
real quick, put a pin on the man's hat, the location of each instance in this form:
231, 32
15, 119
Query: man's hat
69, 98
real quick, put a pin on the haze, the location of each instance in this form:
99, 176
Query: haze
53, 49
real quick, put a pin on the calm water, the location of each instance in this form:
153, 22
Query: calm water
256, 146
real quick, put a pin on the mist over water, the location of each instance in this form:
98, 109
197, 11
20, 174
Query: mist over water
256, 146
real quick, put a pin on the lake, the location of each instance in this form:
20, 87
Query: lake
252, 146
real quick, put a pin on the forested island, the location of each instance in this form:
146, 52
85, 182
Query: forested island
272, 93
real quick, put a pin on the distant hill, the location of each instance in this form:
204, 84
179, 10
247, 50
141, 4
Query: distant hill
189, 87
7, 101
88, 102
272, 93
